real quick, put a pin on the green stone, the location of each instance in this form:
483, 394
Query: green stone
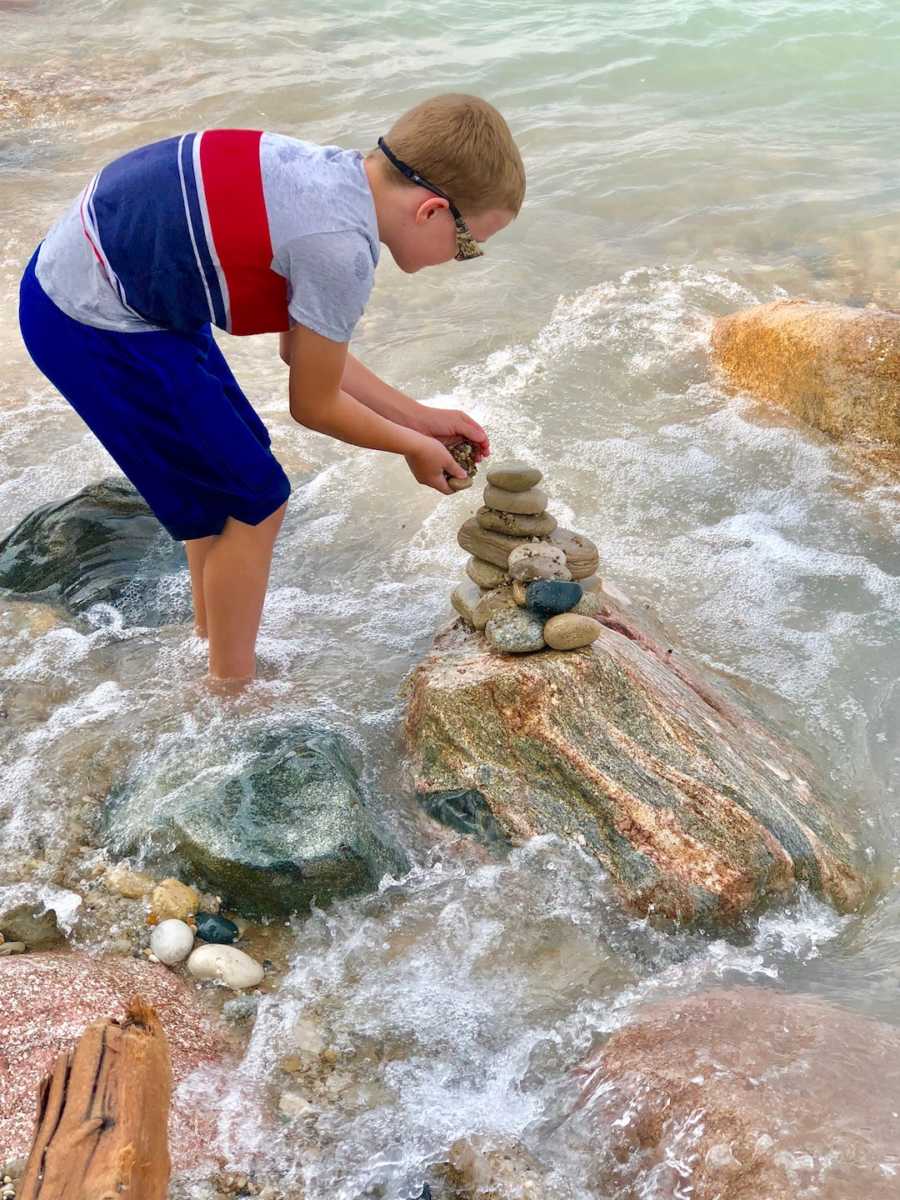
271, 819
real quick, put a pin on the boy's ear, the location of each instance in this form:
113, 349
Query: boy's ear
428, 208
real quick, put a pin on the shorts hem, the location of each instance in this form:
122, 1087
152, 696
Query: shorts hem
211, 526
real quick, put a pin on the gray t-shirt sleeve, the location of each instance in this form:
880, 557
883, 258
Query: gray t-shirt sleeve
329, 276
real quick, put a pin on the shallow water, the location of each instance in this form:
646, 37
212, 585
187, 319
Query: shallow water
685, 158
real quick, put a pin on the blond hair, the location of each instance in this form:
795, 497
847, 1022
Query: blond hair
463, 145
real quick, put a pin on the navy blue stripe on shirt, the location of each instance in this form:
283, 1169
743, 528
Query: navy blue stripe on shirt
142, 224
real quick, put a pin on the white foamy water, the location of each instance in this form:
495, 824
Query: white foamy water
685, 159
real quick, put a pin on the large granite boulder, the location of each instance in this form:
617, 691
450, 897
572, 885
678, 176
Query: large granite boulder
743, 1095
837, 368
698, 811
271, 819
47, 1000
101, 546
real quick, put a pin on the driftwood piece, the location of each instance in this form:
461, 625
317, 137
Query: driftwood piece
103, 1112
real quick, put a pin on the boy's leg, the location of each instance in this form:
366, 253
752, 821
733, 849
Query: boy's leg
235, 577
197, 550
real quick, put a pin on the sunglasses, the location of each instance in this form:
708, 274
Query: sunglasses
466, 246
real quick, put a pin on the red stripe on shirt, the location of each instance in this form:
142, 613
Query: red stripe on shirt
232, 182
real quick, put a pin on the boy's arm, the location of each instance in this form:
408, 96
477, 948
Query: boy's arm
372, 392
318, 402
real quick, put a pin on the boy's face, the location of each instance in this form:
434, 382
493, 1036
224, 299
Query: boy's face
424, 233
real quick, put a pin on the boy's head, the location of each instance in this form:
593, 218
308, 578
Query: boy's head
462, 148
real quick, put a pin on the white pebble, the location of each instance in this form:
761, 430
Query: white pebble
171, 941
226, 965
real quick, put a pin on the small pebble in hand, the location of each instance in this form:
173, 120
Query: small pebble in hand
464, 453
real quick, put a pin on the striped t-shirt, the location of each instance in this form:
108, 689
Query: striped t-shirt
248, 231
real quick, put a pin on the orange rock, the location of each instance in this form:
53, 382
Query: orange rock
835, 367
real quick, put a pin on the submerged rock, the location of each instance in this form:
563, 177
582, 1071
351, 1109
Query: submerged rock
698, 811
39, 915
745, 1093
467, 811
101, 546
269, 818
836, 367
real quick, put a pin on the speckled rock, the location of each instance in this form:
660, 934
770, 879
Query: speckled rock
516, 524
798, 1097
549, 597
477, 606
268, 815
225, 965
171, 941
570, 631
670, 776
47, 1000
530, 502
485, 574
515, 631
538, 560
173, 900
513, 475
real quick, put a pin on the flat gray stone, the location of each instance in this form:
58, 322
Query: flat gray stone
532, 501
513, 475
483, 543
517, 524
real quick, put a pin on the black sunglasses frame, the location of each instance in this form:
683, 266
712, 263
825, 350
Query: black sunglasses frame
466, 246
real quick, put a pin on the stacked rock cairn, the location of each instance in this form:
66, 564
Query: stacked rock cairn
529, 584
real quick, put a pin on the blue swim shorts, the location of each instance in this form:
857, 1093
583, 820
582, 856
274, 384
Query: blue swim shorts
167, 408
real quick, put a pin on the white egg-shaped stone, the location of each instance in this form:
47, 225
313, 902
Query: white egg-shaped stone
226, 965
171, 941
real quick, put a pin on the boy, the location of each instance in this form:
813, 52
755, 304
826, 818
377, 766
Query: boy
255, 232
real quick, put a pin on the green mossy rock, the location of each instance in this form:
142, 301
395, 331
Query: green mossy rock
100, 546
269, 819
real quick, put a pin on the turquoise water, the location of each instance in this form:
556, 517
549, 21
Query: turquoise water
684, 159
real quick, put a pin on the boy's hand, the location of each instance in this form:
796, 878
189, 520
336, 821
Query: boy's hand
449, 426
430, 462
